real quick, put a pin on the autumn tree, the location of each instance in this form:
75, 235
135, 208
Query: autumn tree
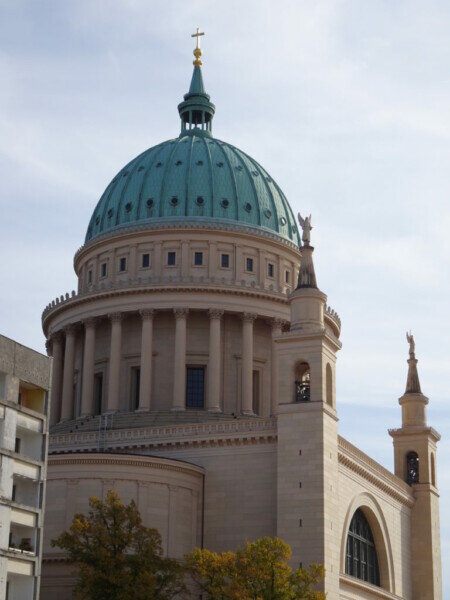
258, 571
117, 557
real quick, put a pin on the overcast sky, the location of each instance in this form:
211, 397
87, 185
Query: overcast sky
345, 103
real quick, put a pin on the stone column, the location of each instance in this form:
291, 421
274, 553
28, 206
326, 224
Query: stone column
57, 370
276, 331
87, 388
114, 362
179, 375
214, 374
67, 411
145, 388
247, 363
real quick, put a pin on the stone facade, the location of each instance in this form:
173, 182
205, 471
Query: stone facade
195, 372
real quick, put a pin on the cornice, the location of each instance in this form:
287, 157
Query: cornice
118, 459
168, 437
361, 464
184, 224
172, 285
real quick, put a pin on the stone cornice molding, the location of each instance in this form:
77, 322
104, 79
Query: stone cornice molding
205, 225
364, 466
215, 313
194, 435
180, 313
147, 314
175, 285
127, 460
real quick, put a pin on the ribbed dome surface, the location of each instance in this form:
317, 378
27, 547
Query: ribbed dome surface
198, 178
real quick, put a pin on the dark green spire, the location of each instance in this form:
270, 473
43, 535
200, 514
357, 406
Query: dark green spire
196, 112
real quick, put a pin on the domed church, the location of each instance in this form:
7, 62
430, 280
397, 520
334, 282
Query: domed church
194, 371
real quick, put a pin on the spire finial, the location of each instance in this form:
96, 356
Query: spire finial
197, 50
412, 382
306, 274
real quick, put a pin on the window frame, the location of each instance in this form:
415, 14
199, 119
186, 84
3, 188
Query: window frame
171, 253
103, 269
145, 257
270, 270
222, 256
198, 254
361, 557
249, 260
125, 263
196, 405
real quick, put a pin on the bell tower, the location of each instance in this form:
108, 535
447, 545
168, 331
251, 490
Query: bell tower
415, 462
307, 460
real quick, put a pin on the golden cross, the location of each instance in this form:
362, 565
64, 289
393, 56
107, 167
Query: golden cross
197, 35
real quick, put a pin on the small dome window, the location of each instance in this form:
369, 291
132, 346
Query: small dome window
199, 163
283, 220
255, 173
174, 201
268, 213
125, 173
220, 164
141, 168
128, 206
200, 200
225, 203
150, 202
110, 213
268, 179
158, 165
238, 168
248, 207
179, 163
97, 220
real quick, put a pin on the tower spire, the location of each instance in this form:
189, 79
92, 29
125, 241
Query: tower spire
412, 382
196, 112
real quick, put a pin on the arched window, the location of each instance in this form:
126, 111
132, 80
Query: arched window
412, 468
361, 559
302, 382
329, 382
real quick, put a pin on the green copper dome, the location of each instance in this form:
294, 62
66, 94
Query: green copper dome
194, 177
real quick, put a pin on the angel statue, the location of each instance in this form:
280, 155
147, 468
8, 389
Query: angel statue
411, 342
306, 227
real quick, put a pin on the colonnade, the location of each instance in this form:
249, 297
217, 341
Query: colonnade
64, 363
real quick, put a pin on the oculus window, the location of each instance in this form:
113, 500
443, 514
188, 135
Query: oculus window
361, 556
195, 387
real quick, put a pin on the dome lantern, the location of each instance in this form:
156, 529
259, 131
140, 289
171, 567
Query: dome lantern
196, 112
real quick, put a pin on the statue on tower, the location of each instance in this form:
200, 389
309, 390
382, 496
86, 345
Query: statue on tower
411, 342
306, 228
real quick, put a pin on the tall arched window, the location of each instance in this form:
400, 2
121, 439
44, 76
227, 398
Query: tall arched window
412, 468
361, 559
302, 382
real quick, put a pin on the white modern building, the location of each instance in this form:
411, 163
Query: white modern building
24, 398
